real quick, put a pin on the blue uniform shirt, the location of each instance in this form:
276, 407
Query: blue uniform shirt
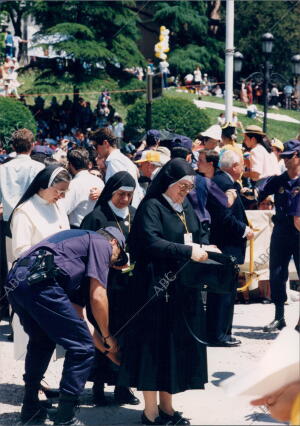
286, 197
80, 255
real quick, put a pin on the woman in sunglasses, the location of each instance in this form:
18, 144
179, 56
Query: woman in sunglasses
38, 215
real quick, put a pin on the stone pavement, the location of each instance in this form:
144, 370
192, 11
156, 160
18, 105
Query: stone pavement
209, 407
221, 107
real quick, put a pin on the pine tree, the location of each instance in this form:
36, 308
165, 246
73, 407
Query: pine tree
94, 32
191, 42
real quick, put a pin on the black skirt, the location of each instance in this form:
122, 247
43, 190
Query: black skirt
159, 352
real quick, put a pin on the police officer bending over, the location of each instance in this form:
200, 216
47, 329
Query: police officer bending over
48, 287
285, 240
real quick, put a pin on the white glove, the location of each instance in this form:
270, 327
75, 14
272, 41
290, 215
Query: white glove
198, 253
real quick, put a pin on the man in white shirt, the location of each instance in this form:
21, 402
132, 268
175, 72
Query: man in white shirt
105, 144
79, 200
16, 176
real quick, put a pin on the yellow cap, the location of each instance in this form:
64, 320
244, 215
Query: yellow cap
151, 156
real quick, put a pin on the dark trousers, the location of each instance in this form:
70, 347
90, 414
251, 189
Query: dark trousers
285, 243
48, 317
219, 315
3, 268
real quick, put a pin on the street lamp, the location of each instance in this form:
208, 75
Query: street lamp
267, 47
296, 65
238, 61
267, 43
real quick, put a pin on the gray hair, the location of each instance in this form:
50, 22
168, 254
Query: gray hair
228, 159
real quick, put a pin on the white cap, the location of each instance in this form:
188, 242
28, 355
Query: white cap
213, 132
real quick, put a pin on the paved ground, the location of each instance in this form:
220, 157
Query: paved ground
221, 107
208, 407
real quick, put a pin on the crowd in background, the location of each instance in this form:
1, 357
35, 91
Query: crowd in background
172, 198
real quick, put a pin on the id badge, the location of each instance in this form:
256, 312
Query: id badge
188, 238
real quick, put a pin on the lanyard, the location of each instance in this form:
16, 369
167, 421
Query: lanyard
183, 220
124, 222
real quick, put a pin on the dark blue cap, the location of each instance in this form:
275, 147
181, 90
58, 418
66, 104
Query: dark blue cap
182, 142
42, 149
152, 137
290, 147
117, 234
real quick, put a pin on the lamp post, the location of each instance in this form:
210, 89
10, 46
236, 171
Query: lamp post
238, 61
267, 47
296, 73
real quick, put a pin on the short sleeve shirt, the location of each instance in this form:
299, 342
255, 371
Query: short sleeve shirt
80, 255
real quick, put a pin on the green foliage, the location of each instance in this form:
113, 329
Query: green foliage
191, 43
281, 18
103, 32
14, 115
129, 98
176, 115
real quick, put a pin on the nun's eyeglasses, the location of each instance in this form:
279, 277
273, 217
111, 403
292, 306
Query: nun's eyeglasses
185, 187
61, 191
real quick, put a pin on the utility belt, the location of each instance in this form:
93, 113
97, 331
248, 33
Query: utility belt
40, 266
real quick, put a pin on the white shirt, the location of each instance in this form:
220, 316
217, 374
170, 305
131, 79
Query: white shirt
119, 130
262, 162
35, 220
197, 75
164, 67
15, 178
77, 203
118, 162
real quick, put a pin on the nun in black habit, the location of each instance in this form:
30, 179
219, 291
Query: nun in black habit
161, 353
112, 209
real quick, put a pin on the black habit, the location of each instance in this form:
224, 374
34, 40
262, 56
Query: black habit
160, 353
105, 371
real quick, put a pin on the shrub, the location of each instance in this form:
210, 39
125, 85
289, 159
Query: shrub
129, 98
180, 116
14, 115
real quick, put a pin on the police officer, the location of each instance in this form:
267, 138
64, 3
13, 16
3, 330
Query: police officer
285, 240
48, 287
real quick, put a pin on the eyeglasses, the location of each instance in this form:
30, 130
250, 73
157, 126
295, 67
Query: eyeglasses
185, 187
61, 191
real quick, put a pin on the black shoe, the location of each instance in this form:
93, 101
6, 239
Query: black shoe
49, 393
275, 325
146, 421
228, 342
125, 395
33, 412
65, 414
266, 301
175, 419
297, 328
99, 398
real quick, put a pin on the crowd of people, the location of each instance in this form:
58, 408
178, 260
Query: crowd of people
106, 253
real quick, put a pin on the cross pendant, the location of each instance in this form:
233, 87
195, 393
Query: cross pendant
167, 297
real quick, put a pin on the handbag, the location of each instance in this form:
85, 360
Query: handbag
218, 274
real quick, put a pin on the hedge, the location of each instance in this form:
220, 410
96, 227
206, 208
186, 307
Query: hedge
179, 116
14, 115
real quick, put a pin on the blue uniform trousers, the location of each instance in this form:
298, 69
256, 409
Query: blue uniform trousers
285, 243
48, 317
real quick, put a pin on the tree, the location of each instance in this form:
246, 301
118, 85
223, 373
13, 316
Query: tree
18, 11
191, 42
94, 32
14, 115
253, 19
